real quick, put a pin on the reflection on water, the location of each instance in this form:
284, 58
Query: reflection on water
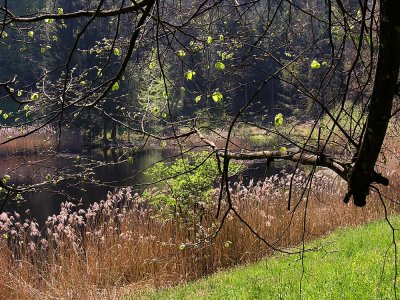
110, 168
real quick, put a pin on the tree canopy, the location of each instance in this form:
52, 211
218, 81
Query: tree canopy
176, 71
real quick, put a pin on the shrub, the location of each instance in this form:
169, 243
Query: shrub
187, 184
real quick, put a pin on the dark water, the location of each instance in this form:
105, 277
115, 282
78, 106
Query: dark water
109, 168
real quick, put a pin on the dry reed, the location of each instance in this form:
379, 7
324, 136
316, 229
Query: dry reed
116, 245
45, 139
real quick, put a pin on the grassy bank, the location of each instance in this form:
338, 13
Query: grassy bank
350, 265
118, 246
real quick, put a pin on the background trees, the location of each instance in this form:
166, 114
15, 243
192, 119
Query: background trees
167, 70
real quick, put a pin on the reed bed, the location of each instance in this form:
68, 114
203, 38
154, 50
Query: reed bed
116, 245
44, 140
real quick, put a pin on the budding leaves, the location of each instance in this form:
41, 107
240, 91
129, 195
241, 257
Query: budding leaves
278, 120
35, 96
117, 52
217, 96
181, 53
219, 65
315, 64
189, 75
115, 87
152, 65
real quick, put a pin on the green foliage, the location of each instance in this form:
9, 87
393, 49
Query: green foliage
278, 120
181, 53
219, 65
117, 52
188, 183
35, 96
315, 64
189, 74
217, 96
350, 116
115, 86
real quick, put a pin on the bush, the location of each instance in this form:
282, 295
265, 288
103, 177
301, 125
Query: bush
187, 184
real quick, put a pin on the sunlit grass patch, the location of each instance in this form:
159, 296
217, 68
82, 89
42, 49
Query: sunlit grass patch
352, 263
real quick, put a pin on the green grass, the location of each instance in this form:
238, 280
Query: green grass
349, 266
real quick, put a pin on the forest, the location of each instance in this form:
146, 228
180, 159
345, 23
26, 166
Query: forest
147, 144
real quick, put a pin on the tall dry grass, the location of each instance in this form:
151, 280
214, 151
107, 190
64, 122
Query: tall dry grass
116, 245
45, 139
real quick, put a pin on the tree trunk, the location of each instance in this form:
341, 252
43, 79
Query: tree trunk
114, 132
380, 108
105, 140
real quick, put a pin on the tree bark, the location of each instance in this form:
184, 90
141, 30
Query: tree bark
380, 108
114, 132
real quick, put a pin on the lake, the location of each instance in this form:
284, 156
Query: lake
109, 168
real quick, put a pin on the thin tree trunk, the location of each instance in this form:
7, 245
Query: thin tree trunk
114, 133
105, 140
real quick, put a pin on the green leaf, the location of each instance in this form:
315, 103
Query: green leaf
49, 21
130, 159
42, 50
288, 54
209, 40
5, 116
30, 34
189, 75
117, 52
6, 178
181, 53
26, 107
219, 65
115, 87
35, 96
152, 65
54, 38
229, 56
19, 94
156, 110
278, 120
60, 11
217, 96
315, 64
221, 37
82, 82
197, 99
4, 34
283, 149
100, 72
